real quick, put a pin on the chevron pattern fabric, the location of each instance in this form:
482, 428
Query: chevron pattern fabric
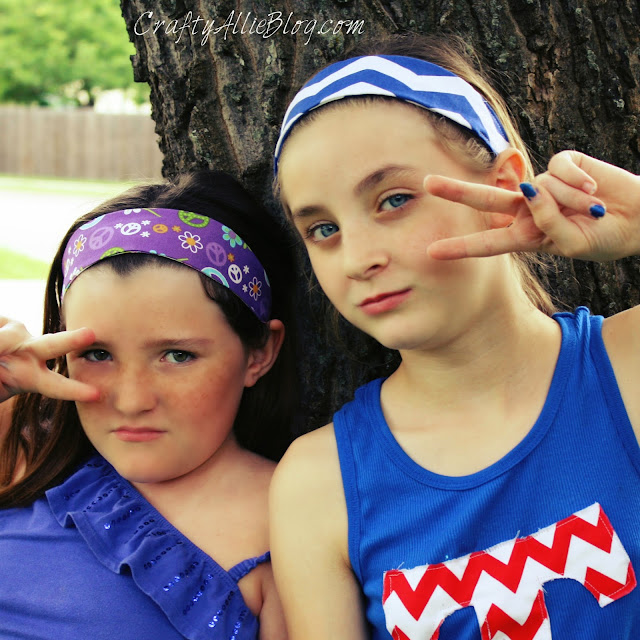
505, 584
408, 79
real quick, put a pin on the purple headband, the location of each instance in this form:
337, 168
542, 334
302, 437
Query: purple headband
191, 239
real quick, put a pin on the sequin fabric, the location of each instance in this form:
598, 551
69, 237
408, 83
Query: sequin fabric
110, 549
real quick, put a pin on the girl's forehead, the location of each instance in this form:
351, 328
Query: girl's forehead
352, 109
109, 273
374, 118
155, 287
353, 138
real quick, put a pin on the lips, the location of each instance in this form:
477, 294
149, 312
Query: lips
384, 301
138, 434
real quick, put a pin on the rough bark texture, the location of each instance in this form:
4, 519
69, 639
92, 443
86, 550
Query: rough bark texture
569, 68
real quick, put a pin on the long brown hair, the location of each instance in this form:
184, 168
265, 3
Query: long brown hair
456, 55
46, 435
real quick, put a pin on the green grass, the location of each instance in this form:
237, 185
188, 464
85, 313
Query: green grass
15, 266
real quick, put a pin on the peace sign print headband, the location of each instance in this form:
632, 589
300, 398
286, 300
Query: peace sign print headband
409, 79
197, 241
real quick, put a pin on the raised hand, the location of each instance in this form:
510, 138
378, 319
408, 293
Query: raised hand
23, 363
563, 212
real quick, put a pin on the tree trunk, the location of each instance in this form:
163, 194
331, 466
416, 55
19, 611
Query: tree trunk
569, 68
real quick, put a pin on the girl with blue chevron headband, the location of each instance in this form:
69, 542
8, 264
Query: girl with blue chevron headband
439, 502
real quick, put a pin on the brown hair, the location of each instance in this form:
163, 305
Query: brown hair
46, 434
454, 54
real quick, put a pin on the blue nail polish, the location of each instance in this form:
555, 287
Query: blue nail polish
597, 211
528, 190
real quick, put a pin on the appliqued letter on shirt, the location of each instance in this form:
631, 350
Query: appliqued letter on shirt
504, 584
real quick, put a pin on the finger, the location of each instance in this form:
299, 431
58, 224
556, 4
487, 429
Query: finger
53, 345
56, 386
551, 222
499, 220
571, 197
479, 196
567, 166
12, 335
477, 245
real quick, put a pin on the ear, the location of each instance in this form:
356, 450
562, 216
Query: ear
262, 359
509, 170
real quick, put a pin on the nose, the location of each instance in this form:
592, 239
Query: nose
131, 390
365, 251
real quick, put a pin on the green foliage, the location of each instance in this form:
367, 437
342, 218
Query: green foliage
14, 266
63, 51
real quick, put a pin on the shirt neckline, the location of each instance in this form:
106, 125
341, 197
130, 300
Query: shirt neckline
520, 451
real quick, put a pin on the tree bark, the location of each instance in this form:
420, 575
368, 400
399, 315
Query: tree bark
570, 71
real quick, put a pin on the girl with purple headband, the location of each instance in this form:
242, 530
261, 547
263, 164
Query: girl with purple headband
136, 468
490, 487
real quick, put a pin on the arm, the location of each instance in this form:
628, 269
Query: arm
320, 594
621, 335
272, 624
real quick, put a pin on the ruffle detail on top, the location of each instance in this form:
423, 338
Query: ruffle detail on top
129, 536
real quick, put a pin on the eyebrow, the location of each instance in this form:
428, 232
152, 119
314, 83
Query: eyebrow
375, 178
186, 343
367, 183
164, 343
306, 212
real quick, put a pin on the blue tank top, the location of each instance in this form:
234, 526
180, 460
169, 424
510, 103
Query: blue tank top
94, 559
543, 544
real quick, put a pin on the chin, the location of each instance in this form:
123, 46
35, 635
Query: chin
397, 333
399, 340
139, 474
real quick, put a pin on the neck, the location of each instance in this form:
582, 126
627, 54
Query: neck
500, 351
203, 483
459, 407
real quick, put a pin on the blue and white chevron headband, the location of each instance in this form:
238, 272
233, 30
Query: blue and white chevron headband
409, 79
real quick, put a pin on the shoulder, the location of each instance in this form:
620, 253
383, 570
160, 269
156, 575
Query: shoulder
310, 464
307, 486
32, 521
621, 337
621, 333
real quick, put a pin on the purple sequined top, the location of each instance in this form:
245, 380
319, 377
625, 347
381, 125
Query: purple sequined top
93, 559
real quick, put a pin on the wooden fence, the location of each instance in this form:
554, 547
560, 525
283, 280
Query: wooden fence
78, 143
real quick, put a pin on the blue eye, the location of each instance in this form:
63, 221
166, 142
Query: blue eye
96, 355
179, 357
322, 231
395, 201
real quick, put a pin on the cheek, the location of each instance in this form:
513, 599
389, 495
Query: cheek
84, 372
325, 267
217, 398
438, 272
92, 416
207, 417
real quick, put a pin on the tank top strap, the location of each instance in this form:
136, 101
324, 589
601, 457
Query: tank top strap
246, 566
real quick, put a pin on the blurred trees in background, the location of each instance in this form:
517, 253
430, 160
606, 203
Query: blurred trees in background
64, 52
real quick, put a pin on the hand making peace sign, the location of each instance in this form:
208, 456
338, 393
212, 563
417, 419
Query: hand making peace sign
563, 212
23, 363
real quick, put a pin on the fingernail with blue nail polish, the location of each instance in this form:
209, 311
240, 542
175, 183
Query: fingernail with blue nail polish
597, 211
528, 190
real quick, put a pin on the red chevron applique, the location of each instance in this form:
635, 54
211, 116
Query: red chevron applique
504, 584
